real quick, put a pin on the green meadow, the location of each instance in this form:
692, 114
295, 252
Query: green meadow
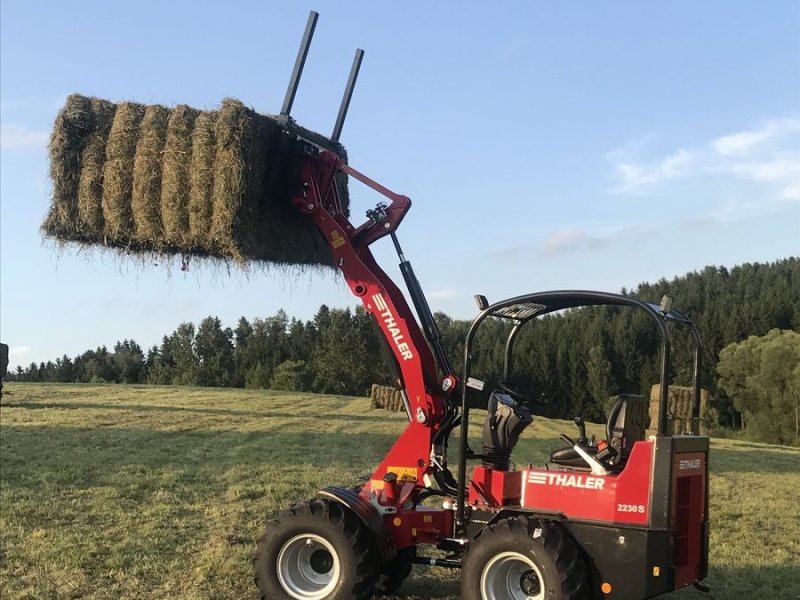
123, 492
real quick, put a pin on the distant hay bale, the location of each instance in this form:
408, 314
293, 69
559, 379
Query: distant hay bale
679, 408
182, 181
373, 396
387, 397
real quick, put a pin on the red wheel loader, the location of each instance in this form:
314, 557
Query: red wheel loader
623, 518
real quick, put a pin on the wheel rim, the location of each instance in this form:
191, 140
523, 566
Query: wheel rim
308, 567
511, 575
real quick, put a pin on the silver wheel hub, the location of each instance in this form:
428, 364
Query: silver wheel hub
511, 575
308, 567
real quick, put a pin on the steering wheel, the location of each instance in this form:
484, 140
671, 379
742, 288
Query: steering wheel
508, 388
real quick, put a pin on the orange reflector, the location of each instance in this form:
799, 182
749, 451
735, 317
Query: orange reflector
397, 521
606, 588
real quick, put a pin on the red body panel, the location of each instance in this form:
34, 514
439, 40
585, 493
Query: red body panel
613, 498
489, 487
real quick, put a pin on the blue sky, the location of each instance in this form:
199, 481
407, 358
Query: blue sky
545, 145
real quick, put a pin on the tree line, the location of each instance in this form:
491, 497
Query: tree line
576, 359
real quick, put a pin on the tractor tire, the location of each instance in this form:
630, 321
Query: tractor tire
524, 559
394, 572
314, 551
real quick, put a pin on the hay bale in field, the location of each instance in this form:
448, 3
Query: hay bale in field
181, 181
387, 397
373, 396
679, 408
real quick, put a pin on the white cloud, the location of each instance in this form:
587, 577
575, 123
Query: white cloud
782, 170
633, 175
765, 155
16, 137
742, 143
568, 240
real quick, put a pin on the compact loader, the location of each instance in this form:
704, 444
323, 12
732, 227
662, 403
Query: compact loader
622, 518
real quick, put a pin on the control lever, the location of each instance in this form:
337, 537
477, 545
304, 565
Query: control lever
597, 468
582, 439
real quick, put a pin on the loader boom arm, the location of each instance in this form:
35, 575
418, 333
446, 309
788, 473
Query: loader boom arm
410, 457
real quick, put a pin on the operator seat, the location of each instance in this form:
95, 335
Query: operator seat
626, 425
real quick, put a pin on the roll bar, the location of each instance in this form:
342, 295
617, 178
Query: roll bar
522, 309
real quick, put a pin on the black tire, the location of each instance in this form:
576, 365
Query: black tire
521, 558
394, 572
316, 550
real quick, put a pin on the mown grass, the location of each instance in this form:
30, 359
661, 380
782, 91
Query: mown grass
159, 492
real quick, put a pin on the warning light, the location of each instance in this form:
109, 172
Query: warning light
397, 521
656, 571
606, 588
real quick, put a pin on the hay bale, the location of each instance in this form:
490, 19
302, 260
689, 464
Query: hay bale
679, 408
201, 178
239, 178
206, 183
118, 173
146, 199
176, 177
373, 396
90, 185
67, 142
387, 397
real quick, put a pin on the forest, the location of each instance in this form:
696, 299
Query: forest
576, 359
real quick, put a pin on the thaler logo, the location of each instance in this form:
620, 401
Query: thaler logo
567, 480
391, 325
689, 464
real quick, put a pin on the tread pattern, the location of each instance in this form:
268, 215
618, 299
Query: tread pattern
556, 543
335, 514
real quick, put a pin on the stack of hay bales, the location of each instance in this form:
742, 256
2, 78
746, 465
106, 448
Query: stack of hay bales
679, 408
181, 181
384, 396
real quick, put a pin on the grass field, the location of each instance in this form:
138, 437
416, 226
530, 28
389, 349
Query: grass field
157, 492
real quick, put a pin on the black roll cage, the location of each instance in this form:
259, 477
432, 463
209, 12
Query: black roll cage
522, 309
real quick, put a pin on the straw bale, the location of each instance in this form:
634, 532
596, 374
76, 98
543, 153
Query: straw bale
118, 172
67, 143
93, 157
679, 407
146, 200
373, 396
202, 183
176, 177
201, 179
